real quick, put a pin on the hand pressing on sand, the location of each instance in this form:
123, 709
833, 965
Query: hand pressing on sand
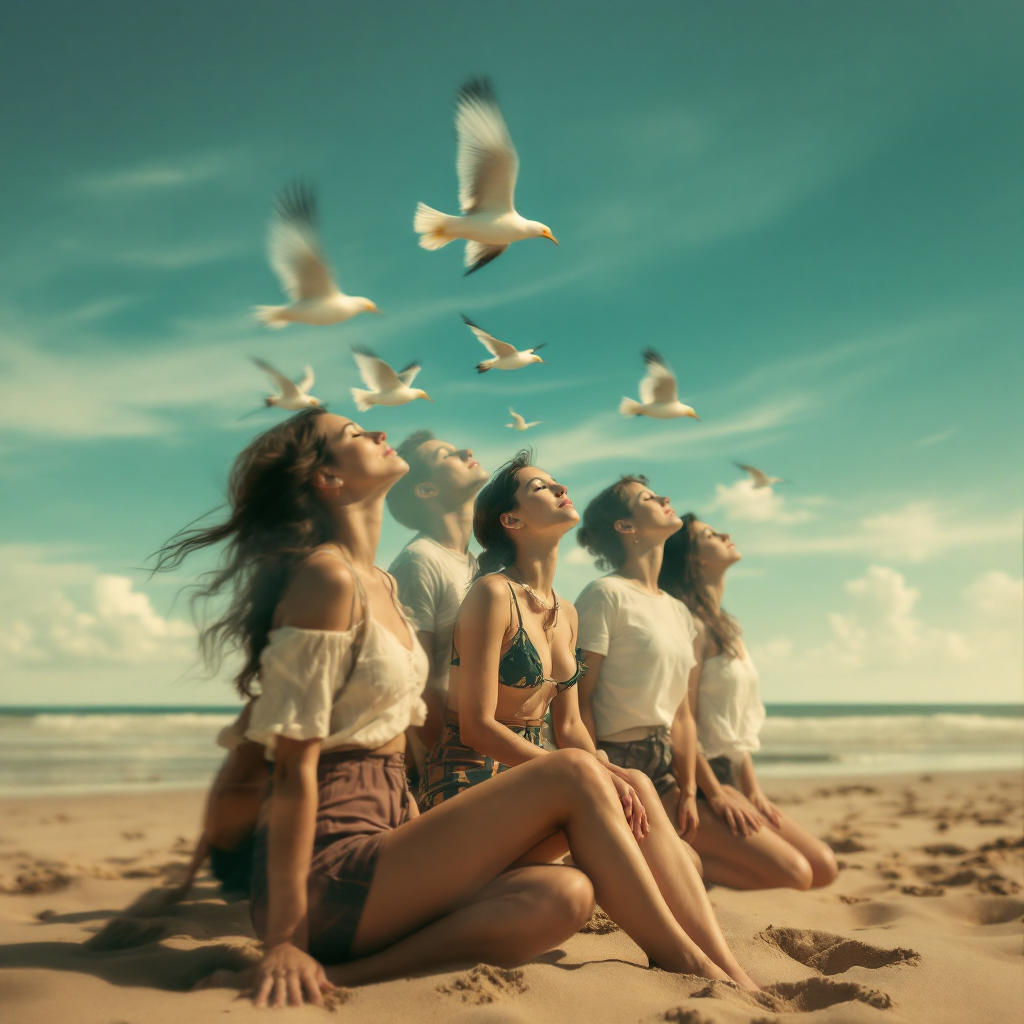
286, 975
742, 817
687, 818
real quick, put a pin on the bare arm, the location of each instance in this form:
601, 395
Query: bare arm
483, 624
587, 687
683, 734
751, 789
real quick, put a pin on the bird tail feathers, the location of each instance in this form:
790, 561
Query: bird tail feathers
362, 399
429, 224
272, 316
482, 367
630, 407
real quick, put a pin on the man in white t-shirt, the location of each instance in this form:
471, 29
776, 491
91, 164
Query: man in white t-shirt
434, 570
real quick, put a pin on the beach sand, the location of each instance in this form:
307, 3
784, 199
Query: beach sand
925, 924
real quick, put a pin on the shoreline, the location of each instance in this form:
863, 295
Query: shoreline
932, 866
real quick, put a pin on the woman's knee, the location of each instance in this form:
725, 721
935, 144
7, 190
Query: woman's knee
582, 770
824, 868
569, 897
643, 786
796, 872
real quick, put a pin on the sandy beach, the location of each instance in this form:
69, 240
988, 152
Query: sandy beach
925, 923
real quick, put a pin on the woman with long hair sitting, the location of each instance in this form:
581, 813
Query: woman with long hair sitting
514, 656
745, 841
345, 871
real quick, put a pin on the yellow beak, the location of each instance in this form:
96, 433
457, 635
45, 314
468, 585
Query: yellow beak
547, 234
372, 308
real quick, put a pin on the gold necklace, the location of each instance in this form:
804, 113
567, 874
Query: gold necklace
552, 607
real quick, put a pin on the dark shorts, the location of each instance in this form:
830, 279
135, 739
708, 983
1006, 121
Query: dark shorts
361, 797
452, 767
653, 757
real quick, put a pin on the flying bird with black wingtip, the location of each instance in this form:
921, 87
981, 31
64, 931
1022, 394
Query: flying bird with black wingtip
487, 166
293, 245
504, 355
291, 395
384, 386
659, 393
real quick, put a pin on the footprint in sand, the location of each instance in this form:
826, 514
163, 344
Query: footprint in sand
832, 954
796, 996
485, 984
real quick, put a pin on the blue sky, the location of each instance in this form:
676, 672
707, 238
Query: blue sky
813, 210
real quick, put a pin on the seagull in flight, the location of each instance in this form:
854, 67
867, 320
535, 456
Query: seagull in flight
293, 246
518, 423
759, 477
385, 386
659, 393
291, 396
505, 356
487, 166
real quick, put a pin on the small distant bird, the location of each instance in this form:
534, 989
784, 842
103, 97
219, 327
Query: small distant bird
518, 423
760, 478
292, 396
506, 356
659, 393
385, 386
487, 166
300, 264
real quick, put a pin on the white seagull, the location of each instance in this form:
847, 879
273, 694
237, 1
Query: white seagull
659, 393
519, 423
506, 356
759, 478
385, 386
292, 396
300, 264
487, 166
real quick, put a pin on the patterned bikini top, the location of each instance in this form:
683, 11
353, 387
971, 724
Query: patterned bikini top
520, 666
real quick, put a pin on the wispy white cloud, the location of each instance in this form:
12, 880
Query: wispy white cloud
744, 502
881, 648
927, 442
916, 532
159, 175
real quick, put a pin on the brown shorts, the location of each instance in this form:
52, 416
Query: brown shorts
361, 796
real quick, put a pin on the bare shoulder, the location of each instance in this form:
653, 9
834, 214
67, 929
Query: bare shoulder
487, 594
568, 609
320, 594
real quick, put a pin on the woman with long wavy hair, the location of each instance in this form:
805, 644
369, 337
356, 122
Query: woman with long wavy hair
745, 841
346, 872
515, 656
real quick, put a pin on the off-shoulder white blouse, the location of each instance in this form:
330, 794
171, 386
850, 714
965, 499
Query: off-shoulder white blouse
308, 692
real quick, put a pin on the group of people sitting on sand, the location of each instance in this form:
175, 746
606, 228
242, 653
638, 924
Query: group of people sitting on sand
560, 754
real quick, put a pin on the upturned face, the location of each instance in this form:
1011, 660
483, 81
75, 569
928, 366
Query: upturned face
544, 504
361, 461
454, 472
651, 515
715, 551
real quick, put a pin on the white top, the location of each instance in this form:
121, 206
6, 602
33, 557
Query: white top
647, 643
432, 581
309, 693
729, 709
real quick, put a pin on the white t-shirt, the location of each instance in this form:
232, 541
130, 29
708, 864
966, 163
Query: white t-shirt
432, 581
647, 644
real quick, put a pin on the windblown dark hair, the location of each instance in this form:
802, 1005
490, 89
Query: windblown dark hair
402, 501
275, 520
497, 497
597, 532
680, 576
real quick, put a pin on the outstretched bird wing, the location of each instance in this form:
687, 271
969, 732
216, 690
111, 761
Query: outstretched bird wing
286, 388
294, 247
376, 374
487, 162
760, 479
408, 375
307, 380
660, 383
516, 418
501, 349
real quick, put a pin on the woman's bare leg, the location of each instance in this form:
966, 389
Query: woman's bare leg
435, 863
680, 884
500, 925
763, 860
824, 869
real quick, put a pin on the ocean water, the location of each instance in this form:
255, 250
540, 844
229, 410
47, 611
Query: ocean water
93, 750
